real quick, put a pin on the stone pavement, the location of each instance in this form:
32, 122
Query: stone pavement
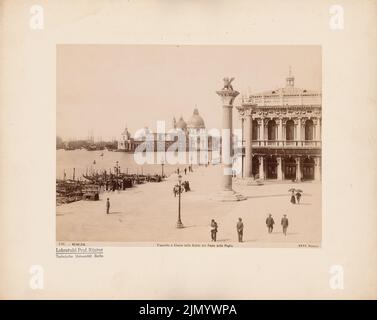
148, 213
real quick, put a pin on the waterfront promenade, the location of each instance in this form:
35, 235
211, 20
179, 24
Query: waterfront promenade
148, 213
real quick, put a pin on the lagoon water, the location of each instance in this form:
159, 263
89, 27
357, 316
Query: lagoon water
83, 161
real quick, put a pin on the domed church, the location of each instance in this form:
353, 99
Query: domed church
196, 122
194, 125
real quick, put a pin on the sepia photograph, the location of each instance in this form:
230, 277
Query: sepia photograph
171, 151
159, 145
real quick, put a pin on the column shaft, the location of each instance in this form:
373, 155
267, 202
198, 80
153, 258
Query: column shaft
280, 131
299, 127
227, 147
298, 169
248, 146
279, 169
261, 130
317, 171
261, 168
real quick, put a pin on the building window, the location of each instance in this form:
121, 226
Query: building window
271, 130
255, 130
308, 169
290, 130
309, 130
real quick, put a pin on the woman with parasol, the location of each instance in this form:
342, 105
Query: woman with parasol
293, 198
298, 195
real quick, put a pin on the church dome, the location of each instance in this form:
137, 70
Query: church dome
181, 124
196, 121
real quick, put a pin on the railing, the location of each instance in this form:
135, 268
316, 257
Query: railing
287, 143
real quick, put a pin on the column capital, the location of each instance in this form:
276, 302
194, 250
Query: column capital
227, 96
245, 111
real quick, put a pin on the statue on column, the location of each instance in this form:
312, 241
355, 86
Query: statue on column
228, 83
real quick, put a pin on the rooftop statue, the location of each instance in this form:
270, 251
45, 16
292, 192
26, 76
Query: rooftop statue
228, 83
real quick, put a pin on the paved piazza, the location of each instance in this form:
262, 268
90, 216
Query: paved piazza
148, 213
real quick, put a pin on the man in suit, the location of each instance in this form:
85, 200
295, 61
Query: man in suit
240, 229
107, 206
213, 229
284, 223
270, 223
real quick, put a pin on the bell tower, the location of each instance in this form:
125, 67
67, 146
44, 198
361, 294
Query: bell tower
290, 80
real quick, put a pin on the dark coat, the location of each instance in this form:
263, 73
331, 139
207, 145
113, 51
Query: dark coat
270, 222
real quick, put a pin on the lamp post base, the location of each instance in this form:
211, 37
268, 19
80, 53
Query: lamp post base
228, 196
180, 224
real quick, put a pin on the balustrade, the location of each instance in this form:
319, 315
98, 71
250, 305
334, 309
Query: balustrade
287, 143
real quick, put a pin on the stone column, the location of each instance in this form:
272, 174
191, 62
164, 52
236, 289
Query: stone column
227, 95
317, 136
261, 168
279, 168
284, 130
299, 129
265, 129
245, 112
298, 169
261, 129
317, 171
248, 143
280, 131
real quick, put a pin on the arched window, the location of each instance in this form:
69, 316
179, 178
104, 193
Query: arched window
308, 169
271, 130
290, 130
255, 130
255, 166
309, 130
290, 168
271, 172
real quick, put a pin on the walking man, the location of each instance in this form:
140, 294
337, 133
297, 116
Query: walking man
185, 171
284, 223
240, 229
213, 229
107, 206
270, 223
298, 197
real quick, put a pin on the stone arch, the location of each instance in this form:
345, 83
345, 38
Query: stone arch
255, 166
271, 130
309, 130
290, 168
271, 167
289, 130
308, 168
255, 130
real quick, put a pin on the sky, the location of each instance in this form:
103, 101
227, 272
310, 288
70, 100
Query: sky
103, 88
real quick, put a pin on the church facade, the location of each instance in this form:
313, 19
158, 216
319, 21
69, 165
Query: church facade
282, 133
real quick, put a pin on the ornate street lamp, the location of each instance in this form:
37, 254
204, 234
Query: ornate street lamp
179, 222
117, 169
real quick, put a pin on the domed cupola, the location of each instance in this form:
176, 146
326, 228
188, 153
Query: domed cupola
181, 124
196, 121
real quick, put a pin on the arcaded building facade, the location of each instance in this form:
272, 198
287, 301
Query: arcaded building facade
282, 133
